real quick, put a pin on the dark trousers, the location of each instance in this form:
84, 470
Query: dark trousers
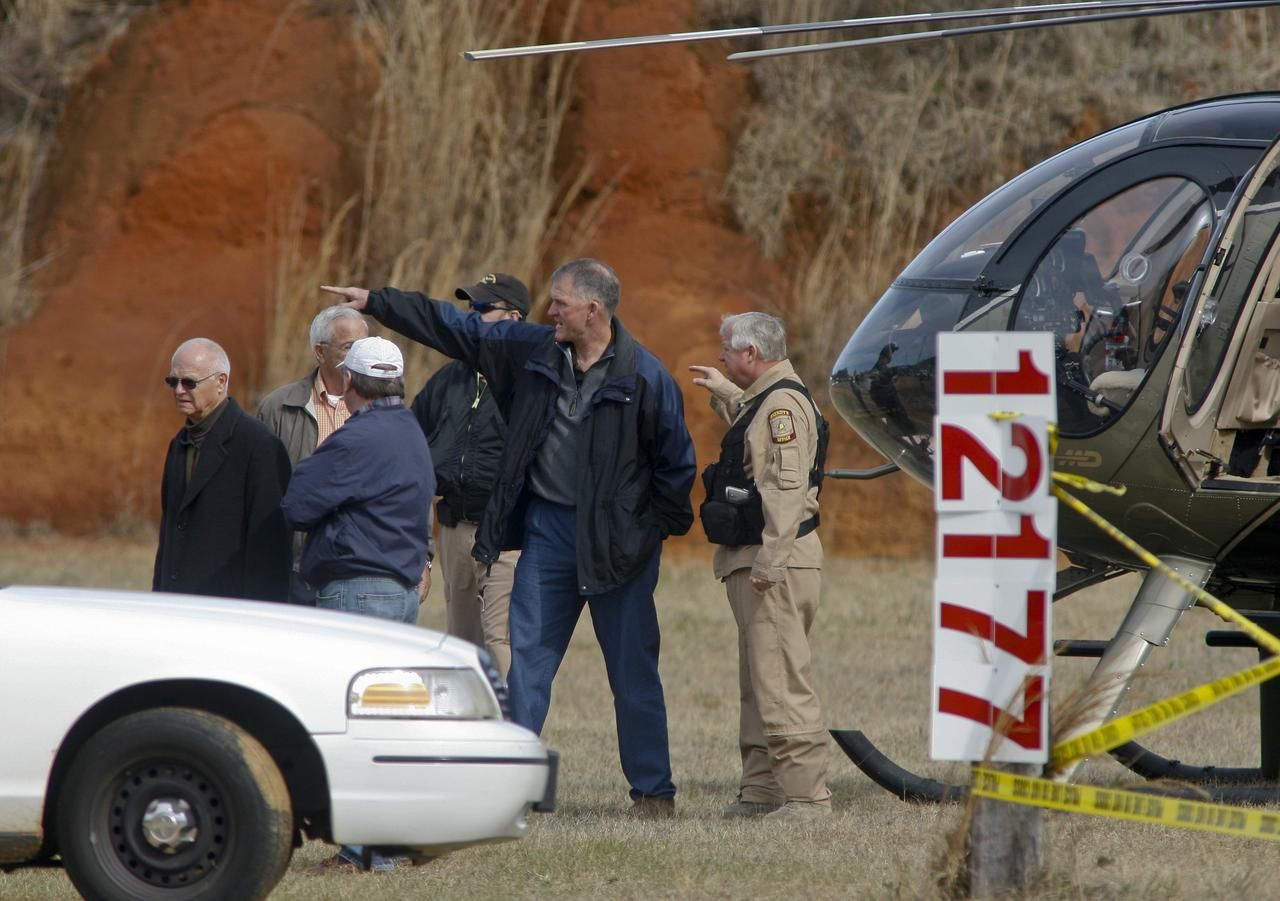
545, 606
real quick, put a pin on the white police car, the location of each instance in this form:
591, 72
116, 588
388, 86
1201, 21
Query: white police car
177, 747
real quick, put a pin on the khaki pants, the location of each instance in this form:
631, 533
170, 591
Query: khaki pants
781, 735
476, 603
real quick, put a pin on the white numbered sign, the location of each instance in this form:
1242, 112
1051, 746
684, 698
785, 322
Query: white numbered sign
996, 547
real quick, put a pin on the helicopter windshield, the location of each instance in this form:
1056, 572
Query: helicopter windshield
885, 377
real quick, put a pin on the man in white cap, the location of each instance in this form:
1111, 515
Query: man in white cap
364, 500
364, 496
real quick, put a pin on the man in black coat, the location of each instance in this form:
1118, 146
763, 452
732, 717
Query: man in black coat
222, 532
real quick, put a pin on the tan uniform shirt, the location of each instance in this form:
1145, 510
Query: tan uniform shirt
781, 444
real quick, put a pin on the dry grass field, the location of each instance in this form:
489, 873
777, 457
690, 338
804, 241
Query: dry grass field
872, 650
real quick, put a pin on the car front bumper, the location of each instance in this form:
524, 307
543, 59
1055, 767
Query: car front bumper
435, 785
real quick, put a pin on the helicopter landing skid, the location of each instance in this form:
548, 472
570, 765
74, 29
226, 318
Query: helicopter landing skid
1224, 785
891, 777
1150, 765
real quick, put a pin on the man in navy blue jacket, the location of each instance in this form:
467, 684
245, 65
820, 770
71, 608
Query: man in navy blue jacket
364, 496
596, 472
364, 500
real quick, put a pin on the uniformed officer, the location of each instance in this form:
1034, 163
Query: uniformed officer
762, 511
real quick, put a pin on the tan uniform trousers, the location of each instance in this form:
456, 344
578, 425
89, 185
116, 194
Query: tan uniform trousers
475, 603
781, 735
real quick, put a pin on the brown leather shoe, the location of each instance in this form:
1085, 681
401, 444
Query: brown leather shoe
741, 808
646, 808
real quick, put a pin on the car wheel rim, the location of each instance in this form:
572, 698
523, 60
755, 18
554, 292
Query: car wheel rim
168, 823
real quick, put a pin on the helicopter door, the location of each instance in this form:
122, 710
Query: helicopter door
1222, 414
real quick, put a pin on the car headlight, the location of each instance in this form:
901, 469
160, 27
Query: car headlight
422, 694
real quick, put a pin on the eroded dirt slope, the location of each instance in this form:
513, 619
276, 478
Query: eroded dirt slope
182, 143
174, 154
662, 120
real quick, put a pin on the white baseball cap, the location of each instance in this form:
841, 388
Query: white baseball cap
375, 357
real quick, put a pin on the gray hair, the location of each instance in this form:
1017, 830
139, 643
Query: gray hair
205, 348
591, 280
371, 388
322, 325
766, 333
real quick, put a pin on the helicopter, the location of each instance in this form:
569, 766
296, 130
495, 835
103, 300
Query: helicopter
1150, 253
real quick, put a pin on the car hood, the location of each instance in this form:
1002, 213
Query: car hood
91, 643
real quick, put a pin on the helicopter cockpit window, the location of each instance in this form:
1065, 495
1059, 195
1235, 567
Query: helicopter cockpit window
1111, 289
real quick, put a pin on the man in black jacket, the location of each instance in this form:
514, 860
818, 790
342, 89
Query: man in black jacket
221, 529
466, 432
596, 472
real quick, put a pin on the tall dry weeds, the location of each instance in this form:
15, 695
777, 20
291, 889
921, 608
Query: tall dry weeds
459, 176
852, 160
44, 46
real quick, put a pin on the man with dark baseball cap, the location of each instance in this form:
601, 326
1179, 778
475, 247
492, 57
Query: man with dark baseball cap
466, 430
497, 290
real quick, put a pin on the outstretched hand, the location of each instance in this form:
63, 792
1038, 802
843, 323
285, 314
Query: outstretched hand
356, 298
711, 378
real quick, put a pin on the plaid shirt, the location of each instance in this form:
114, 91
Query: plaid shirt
329, 417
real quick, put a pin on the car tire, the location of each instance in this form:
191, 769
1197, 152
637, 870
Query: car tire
174, 804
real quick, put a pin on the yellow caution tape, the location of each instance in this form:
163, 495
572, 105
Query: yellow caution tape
1134, 725
1084, 483
1264, 638
1127, 728
1130, 805
1126, 805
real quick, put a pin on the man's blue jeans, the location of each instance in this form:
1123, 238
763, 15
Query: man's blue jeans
371, 596
385, 599
545, 606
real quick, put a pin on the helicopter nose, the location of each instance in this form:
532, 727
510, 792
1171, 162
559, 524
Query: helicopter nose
883, 382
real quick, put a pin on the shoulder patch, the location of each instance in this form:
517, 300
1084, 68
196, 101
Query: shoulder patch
782, 428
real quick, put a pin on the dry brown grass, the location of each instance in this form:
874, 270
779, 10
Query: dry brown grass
459, 175
852, 160
871, 645
44, 45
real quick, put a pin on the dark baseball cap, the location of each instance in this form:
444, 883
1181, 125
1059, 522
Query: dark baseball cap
497, 287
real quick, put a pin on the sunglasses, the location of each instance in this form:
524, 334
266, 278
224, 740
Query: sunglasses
482, 306
187, 381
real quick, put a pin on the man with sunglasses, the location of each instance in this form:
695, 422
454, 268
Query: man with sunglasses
466, 432
222, 532
304, 413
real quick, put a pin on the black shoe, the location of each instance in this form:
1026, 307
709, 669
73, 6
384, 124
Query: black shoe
647, 808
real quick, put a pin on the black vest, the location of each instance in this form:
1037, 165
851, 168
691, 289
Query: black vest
732, 514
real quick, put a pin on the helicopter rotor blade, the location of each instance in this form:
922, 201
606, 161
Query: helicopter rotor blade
804, 27
1175, 10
